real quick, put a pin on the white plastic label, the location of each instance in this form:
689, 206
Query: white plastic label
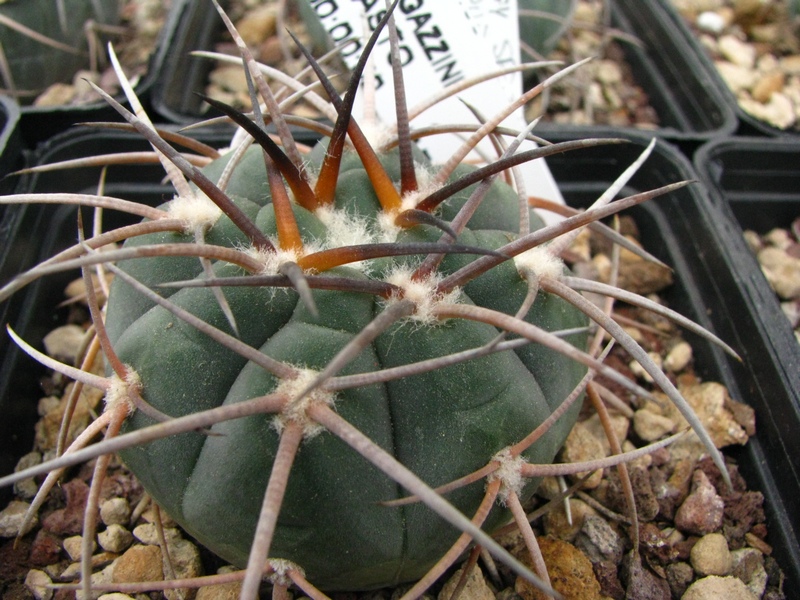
442, 42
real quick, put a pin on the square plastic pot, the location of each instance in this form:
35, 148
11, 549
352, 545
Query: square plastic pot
755, 184
717, 290
679, 86
679, 229
748, 124
691, 109
32, 233
40, 123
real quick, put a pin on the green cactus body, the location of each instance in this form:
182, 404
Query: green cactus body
442, 425
33, 64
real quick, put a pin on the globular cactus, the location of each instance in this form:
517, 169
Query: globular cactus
542, 23
297, 342
45, 41
442, 424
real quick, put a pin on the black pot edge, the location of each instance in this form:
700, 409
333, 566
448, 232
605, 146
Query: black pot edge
183, 75
756, 459
173, 98
10, 142
40, 123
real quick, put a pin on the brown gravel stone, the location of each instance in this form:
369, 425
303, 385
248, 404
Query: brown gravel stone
742, 511
139, 563
474, 589
654, 544
571, 572
679, 576
69, 520
557, 525
676, 488
46, 549
642, 584
702, 510
613, 496
606, 574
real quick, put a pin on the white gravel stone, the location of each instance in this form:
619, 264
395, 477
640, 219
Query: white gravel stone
72, 546
148, 534
11, 518
651, 426
736, 51
64, 342
748, 565
792, 312
475, 589
782, 271
714, 588
115, 538
37, 581
711, 22
639, 371
780, 238
27, 488
186, 561
115, 511
736, 77
678, 357
779, 111
711, 556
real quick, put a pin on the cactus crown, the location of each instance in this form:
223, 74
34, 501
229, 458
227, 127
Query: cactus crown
300, 340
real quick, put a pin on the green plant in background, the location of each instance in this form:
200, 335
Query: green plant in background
47, 41
542, 23
297, 342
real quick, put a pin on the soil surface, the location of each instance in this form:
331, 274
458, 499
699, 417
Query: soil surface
755, 46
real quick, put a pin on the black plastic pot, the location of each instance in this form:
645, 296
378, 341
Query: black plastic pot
175, 97
725, 294
30, 234
680, 229
40, 123
748, 124
680, 88
682, 91
755, 184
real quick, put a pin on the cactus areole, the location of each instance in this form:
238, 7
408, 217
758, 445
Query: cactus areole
442, 425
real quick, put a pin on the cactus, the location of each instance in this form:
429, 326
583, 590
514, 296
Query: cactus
542, 23
45, 41
340, 368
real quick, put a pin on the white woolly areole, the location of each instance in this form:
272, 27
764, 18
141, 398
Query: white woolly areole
281, 568
197, 211
509, 474
120, 390
387, 227
272, 260
295, 411
422, 293
539, 262
424, 189
344, 228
